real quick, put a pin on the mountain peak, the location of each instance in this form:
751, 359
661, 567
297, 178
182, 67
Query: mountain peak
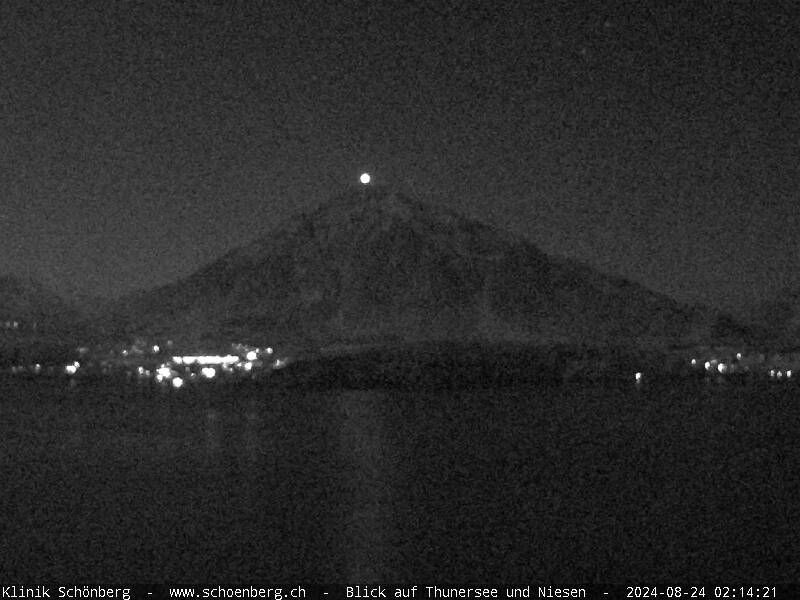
357, 216
377, 203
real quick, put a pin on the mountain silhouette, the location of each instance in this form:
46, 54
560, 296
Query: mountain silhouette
375, 266
35, 307
777, 318
36, 323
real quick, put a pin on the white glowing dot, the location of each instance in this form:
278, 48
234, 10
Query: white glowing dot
156, 348
208, 372
177, 382
638, 376
694, 361
365, 178
252, 355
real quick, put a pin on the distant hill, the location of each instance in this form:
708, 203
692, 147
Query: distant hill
374, 266
777, 319
35, 307
35, 322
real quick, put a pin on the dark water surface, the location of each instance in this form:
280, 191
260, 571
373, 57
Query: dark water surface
573, 485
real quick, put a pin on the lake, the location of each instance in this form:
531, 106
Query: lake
573, 484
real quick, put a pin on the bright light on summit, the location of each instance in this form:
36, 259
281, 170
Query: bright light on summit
365, 178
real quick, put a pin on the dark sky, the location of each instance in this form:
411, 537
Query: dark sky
141, 140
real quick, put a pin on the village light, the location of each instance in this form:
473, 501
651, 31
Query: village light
252, 355
177, 382
365, 178
228, 359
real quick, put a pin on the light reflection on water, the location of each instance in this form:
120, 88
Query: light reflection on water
213, 431
251, 440
369, 471
384, 486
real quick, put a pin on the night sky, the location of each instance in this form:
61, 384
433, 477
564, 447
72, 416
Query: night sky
141, 140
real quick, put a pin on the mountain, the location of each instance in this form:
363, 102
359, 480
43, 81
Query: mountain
374, 266
33, 305
777, 319
35, 322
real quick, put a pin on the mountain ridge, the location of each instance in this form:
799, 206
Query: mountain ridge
374, 264
777, 318
36, 324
